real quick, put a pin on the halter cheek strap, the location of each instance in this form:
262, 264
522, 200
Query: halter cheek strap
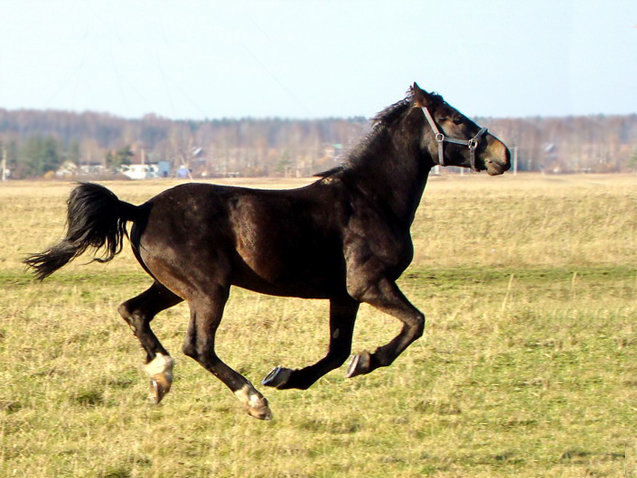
472, 143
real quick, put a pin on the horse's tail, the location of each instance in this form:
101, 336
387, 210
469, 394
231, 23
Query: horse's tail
95, 218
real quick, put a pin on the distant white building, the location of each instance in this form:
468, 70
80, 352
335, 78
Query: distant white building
140, 171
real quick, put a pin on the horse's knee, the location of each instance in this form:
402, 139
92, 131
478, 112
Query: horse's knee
136, 318
131, 312
124, 311
418, 326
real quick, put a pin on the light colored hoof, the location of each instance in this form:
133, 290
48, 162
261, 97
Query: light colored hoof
277, 377
160, 370
259, 409
159, 387
255, 403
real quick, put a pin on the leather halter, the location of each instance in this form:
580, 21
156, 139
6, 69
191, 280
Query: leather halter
472, 143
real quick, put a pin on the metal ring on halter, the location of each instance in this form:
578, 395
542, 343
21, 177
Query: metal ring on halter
472, 143
440, 137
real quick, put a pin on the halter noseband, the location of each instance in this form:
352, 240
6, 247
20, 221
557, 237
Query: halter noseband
472, 143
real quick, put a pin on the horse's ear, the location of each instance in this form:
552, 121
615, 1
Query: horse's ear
421, 97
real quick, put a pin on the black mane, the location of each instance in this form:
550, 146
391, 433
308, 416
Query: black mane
378, 126
392, 112
395, 111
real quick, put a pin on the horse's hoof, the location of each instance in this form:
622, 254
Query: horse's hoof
358, 364
160, 371
277, 377
259, 409
159, 387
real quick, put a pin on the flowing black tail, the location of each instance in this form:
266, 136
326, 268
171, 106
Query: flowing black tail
95, 218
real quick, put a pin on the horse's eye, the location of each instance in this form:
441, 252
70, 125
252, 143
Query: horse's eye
457, 120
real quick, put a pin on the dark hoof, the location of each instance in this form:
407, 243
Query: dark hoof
359, 364
277, 378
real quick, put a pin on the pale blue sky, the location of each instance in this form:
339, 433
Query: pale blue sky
309, 58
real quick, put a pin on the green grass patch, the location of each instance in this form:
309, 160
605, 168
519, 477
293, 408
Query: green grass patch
525, 372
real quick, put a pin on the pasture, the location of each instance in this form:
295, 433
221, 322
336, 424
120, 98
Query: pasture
528, 366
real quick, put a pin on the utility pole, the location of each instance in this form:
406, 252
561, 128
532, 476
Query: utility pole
4, 164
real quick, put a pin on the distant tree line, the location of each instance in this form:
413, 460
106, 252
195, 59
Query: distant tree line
571, 144
38, 143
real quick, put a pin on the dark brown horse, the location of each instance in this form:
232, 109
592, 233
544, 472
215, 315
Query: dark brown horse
344, 238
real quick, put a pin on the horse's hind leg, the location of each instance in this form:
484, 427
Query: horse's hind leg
138, 312
342, 318
205, 315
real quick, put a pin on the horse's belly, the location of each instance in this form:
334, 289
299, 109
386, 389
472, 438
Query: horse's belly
290, 275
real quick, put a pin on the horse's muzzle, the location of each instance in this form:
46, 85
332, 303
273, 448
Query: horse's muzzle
498, 159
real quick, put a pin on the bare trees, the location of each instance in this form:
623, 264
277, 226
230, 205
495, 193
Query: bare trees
38, 141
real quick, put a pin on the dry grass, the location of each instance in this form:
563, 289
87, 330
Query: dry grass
528, 366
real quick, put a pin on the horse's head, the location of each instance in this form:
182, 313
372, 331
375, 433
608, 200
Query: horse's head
452, 139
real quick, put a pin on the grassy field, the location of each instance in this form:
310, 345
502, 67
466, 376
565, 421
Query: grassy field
528, 366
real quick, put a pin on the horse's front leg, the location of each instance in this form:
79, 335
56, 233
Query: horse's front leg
387, 297
342, 317
206, 312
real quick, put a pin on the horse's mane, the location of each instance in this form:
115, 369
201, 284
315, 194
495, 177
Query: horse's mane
378, 126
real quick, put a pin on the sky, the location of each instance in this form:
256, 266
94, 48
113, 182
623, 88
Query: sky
187, 59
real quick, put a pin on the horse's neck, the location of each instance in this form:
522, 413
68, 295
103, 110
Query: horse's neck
393, 177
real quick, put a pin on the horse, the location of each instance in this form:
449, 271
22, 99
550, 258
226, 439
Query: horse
344, 238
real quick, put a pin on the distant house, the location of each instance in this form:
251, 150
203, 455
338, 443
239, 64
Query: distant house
140, 171
92, 169
67, 169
